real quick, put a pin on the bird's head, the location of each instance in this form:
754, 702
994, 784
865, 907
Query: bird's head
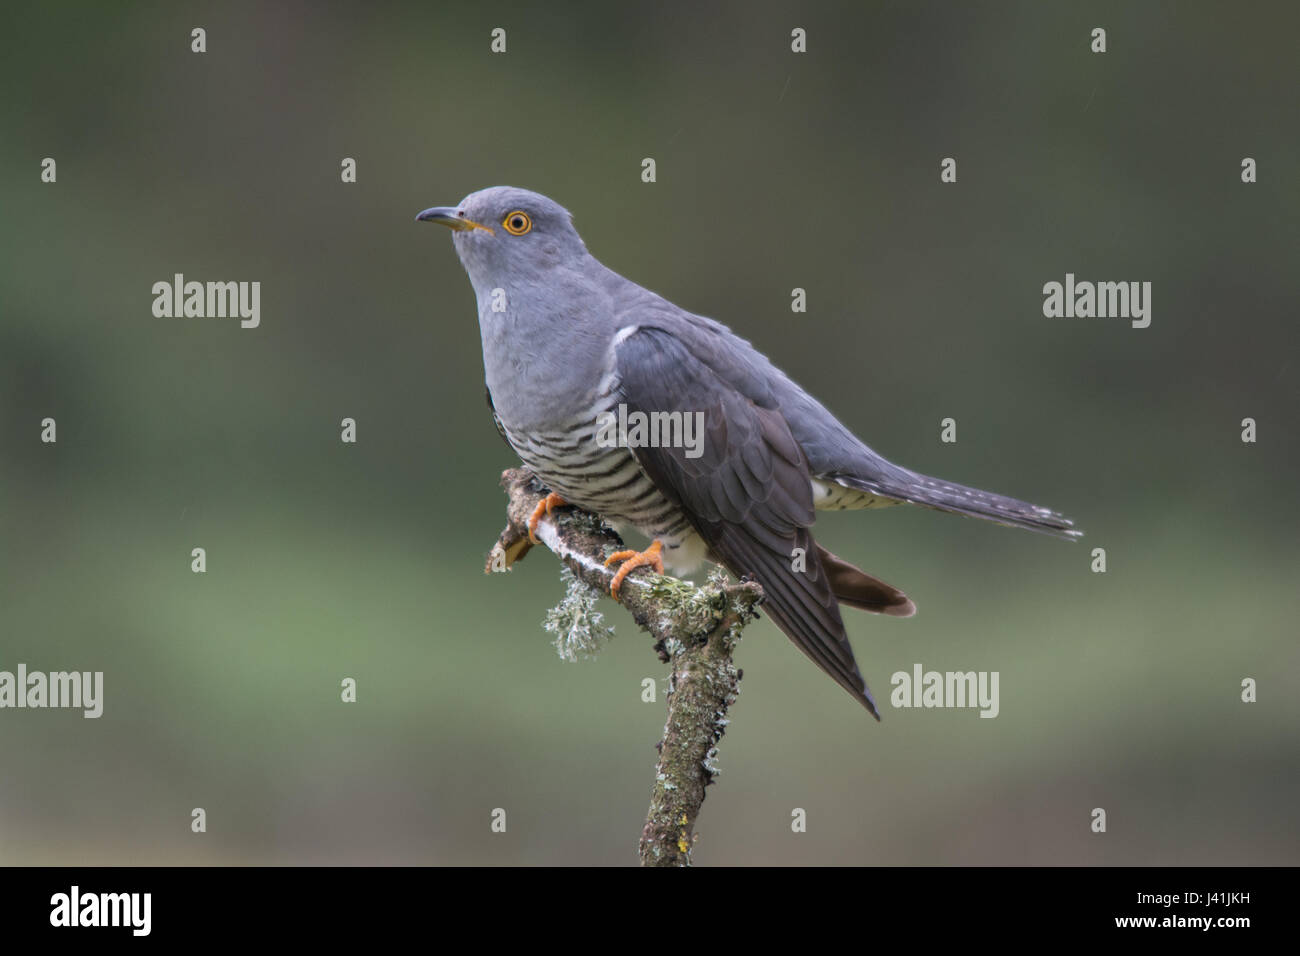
504, 234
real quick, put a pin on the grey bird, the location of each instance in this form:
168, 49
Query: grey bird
567, 343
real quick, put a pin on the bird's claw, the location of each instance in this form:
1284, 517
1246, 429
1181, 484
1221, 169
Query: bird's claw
649, 558
543, 509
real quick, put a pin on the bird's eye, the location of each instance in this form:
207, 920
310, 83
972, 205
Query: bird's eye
517, 223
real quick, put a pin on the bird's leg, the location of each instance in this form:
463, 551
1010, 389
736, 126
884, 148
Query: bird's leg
632, 560
544, 508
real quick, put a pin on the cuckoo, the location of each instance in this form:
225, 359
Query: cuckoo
569, 346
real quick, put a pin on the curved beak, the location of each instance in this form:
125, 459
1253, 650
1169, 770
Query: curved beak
450, 217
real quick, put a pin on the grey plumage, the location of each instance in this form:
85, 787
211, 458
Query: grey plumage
566, 339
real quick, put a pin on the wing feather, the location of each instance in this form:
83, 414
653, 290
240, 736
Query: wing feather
748, 493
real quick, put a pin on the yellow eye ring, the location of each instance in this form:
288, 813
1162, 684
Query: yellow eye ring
517, 223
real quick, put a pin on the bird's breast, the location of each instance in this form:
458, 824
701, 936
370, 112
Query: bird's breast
604, 480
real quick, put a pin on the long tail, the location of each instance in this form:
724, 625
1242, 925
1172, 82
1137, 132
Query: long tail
901, 484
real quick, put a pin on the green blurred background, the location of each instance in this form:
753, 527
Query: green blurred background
775, 170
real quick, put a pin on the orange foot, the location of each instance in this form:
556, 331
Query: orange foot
632, 560
544, 507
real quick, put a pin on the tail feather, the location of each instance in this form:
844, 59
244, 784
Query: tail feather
854, 587
904, 485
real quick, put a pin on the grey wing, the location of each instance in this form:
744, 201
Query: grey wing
833, 452
748, 493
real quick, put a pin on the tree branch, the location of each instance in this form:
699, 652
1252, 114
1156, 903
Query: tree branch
695, 630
